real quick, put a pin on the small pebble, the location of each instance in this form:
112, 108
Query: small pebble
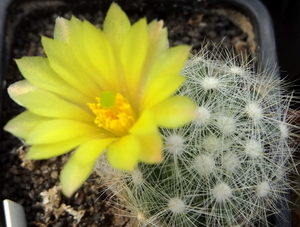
54, 174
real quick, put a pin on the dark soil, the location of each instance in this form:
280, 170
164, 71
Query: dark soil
35, 184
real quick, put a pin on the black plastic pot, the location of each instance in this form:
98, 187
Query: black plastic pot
253, 9
4, 4
286, 20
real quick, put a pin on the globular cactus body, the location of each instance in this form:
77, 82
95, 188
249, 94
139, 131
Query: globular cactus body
226, 168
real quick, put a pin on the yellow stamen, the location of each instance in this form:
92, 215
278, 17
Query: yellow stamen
117, 118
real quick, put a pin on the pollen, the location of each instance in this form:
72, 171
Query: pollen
113, 113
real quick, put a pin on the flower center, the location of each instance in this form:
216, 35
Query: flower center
113, 113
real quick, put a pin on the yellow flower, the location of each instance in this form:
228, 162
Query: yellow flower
100, 90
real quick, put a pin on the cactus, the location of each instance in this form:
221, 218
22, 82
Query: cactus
229, 166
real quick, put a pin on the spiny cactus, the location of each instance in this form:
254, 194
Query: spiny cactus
229, 166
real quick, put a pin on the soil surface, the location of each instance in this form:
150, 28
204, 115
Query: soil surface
35, 184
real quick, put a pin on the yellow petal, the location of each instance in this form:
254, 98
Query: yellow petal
133, 54
146, 123
76, 35
159, 91
46, 104
164, 79
80, 165
61, 29
77, 45
83, 37
115, 26
158, 39
76, 41
20, 88
98, 50
24, 123
124, 153
145, 129
45, 151
38, 72
61, 129
152, 148
170, 62
64, 63
174, 112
